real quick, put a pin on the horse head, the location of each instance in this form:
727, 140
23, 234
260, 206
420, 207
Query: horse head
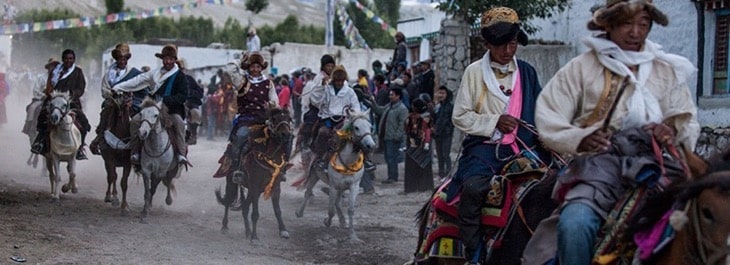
150, 117
358, 123
279, 123
58, 107
122, 100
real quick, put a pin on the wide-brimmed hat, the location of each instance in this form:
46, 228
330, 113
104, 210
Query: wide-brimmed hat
617, 11
52, 62
168, 50
501, 25
254, 58
121, 50
339, 72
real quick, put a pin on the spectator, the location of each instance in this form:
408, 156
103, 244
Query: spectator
443, 129
391, 131
253, 43
284, 94
426, 79
418, 174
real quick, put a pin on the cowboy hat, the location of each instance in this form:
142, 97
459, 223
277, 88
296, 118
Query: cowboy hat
168, 50
122, 49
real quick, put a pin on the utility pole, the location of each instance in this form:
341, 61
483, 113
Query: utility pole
329, 35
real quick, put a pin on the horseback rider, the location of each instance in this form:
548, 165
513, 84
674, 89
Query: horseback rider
331, 97
39, 96
309, 111
63, 77
118, 72
254, 95
169, 85
496, 92
192, 105
583, 111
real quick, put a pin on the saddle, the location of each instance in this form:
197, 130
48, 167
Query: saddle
500, 207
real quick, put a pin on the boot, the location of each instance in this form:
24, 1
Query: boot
81, 154
239, 177
191, 136
181, 159
95, 145
39, 145
134, 152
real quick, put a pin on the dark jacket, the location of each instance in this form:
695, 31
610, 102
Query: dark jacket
443, 126
195, 92
75, 83
175, 99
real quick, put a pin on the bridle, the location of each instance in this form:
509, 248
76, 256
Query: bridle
707, 252
357, 139
154, 126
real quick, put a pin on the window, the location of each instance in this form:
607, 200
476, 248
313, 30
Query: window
720, 69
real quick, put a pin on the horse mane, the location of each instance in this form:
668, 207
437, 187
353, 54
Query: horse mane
147, 102
354, 115
64, 95
717, 176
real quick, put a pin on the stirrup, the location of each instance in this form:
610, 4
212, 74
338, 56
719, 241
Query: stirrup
238, 177
80, 154
37, 148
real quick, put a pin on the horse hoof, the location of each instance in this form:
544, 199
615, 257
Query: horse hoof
256, 242
115, 202
284, 234
355, 239
327, 222
75, 189
125, 212
64, 188
299, 214
168, 200
108, 198
224, 230
55, 200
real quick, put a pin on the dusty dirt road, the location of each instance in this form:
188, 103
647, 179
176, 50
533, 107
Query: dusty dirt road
82, 229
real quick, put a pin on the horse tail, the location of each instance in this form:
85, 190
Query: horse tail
229, 197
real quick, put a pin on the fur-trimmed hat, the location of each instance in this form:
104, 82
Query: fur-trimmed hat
501, 25
617, 11
326, 59
168, 50
121, 50
254, 58
339, 72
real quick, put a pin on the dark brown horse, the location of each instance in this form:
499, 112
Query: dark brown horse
264, 167
438, 240
114, 157
703, 235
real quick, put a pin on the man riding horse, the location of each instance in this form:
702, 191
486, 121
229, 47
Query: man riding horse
331, 98
619, 106
171, 86
118, 72
254, 95
495, 93
63, 77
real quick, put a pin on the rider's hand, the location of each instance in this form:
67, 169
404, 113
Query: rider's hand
661, 132
506, 123
595, 142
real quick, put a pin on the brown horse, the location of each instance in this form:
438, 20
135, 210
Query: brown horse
703, 235
115, 157
264, 167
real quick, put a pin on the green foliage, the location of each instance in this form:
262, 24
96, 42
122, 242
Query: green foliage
289, 30
472, 10
371, 31
114, 6
256, 6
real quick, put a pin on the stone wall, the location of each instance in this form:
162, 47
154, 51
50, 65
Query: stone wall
450, 53
712, 141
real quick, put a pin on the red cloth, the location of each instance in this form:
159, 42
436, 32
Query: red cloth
298, 86
284, 96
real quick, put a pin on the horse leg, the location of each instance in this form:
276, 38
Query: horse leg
277, 211
338, 208
331, 209
123, 184
307, 194
170, 188
71, 184
351, 210
153, 188
110, 179
254, 216
244, 210
52, 167
227, 200
147, 196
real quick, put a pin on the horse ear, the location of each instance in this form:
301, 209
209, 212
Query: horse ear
159, 104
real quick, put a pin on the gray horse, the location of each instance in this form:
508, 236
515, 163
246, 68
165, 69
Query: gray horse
65, 140
345, 168
157, 158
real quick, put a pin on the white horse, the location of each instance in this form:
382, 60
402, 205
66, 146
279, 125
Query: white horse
345, 168
65, 140
157, 160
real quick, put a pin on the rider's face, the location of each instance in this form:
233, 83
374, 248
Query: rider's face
255, 69
122, 62
631, 34
68, 60
168, 62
